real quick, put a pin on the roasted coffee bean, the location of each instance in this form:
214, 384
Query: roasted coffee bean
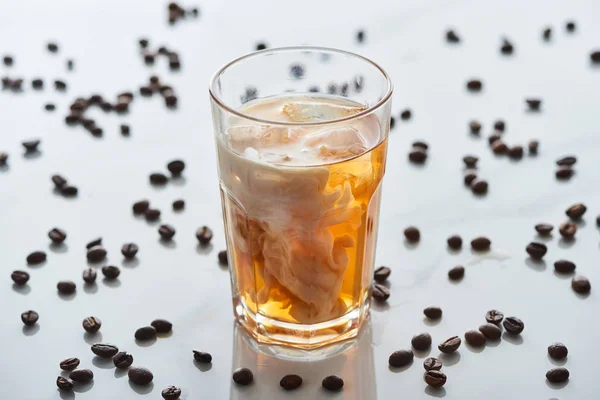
595, 57
149, 58
37, 257
73, 119
500, 125
64, 384
360, 36
417, 156
581, 284
178, 205
81, 375
454, 242
143, 42
166, 232
499, 147
332, 383
450, 345
564, 172
129, 250
381, 274
432, 364
420, 144
516, 152
547, 33
479, 186
93, 243
474, 85
146, 91
421, 341
70, 64
513, 325
52, 47
123, 360
202, 357
139, 207
158, 178
171, 100
598, 220
66, 287
104, 350
3, 158
494, 316
536, 250
19, 277
57, 235
544, 229
533, 104
400, 358
60, 85
49, 107
507, 47
435, 379
69, 364
576, 211
204, 235
470, 161
125, 129
31, 146
162, 325
481, 243
452, 37
140, 375
570, 26
557, 375
490, 331
412, 234
69, 190
379, 292
145, 333
291, 382
243, 376
223, 257
456, 273
470, 176
8, 60
475, 127
558, 351
29, 317
111, 272
433, 312
533, 146
96, 253
564, 266
297, 71
89, 275
171, 393
475, 338
493, 138
261, 46
392, 119
567, 160
121, 107
91, 324
406, 114
567, 230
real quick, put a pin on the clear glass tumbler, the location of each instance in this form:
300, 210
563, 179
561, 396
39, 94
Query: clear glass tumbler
301, 136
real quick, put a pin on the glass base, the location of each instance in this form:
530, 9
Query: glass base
300, 336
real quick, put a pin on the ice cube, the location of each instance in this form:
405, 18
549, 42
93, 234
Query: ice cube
260, 137
315, 111
336, 144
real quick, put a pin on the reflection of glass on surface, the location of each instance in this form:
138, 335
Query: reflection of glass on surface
353, 362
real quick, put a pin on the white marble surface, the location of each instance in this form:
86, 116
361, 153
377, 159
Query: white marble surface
185, 284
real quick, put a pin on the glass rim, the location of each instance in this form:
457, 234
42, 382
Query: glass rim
368, 110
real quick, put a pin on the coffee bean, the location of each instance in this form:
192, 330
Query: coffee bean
499, 147
452, 37
104, 350
475, 127
149, 58
507, 47
129, 250
450, 345
470, 161
435, 379
557, 375
533, 104
433, 312
19, 277
64, 384
49, 107
81, 375
570, 26
140, 375
454, 242
162, 325
171, 100
66, 287
146, 91
474, 85
69, 190
481, 243
202, 357
405, 114
547, 33
57, 235
567, 160
417, 156
412, 234
456, 273
204, 235
89, 275
421, 341
516, 152
223, 257
392, 119
178, 205
139, 207
420, 144
544, 229
145, 333
70, 64
3, 158
475, 338
558, 351
598, 220
171, 393
379, 292
8, 60
564, 266
166, 232
261, 46
123, 360
513, 325
243, 376
490, 331
432, 364
143, 42
111, 272
470, 176
401, 358
158, 178
581, 284
69, 364
500, 125
92, 324
29, 317
96, 253
93, 243
152, 214
381, 274
494, 316
567, 230
37, 257
564, 172
360, 36
31, 146
52, 47
493, 138
291, 382
332, 383
125, 129
479, 186
576, 211
533, 146
595, 57
536, 250
60, 85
